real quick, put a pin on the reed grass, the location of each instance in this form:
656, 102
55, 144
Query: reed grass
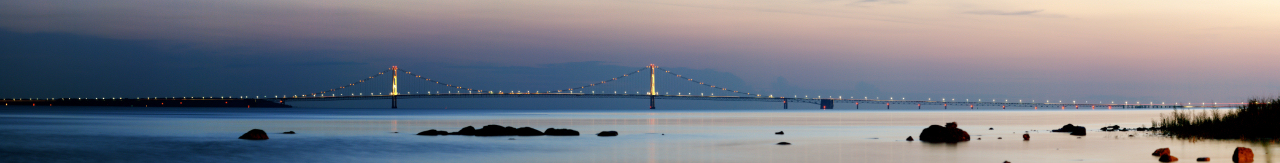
1258, 119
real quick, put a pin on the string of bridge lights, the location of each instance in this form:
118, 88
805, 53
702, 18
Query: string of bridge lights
354, 84
442, 83
601, 82
708, 85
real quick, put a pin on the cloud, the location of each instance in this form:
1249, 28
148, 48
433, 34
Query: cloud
1034, 13
995, 12
869, 3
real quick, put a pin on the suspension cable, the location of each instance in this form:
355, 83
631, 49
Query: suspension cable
406, 72
603, 82
705, 84
354, 84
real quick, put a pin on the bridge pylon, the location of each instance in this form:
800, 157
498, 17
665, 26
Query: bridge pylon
653, 91
395, 82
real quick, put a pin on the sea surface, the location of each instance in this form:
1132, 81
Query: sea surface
135, 134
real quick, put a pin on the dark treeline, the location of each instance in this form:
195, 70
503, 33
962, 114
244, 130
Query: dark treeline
1256, 120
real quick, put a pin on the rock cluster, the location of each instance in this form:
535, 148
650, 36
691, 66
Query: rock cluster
950, 134
561, 132
1073, 129
497, 130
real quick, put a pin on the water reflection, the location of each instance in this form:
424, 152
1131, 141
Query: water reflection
646, 136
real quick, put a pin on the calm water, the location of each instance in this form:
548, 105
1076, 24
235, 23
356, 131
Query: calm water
116, 134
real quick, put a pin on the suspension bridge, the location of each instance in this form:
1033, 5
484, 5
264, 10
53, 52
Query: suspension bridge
425, 87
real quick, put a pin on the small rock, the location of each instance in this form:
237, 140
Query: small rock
910, 139
1026, 137
999, 137
1006, 162
289, 132
778, 133
608, 133
1242, 154
1168, 158
993, 128
258, 134
1161, 152
784, 143
1202, 159
979, 138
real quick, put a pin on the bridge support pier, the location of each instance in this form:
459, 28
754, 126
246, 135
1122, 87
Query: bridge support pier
651, 102
393, 102
784, 103
827, 104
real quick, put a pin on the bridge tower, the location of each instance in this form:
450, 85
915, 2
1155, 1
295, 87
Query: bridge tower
395, 81
653, 91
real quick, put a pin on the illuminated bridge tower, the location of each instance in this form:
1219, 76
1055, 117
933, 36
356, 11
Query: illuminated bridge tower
395, 80
653, 91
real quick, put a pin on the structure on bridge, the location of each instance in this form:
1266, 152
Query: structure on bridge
431, 88
653, 95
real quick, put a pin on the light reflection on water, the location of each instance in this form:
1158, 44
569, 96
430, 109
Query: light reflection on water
109, 134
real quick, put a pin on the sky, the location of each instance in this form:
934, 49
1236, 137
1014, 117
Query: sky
1143, 50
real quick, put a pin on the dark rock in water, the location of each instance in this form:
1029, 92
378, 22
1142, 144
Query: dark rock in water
1202, 159
778, 133
1161, 152
496, 130
1168, 158
561, 132
910, 139
528, 131
1006, 161
465, 131
433, 132
255, 134
950, 134
1111, 128
1078, 132
999, 137
1073, 129
607, 133
784, 143
1026, 137
993, 128
1065, 128
289, 132
1242, 155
